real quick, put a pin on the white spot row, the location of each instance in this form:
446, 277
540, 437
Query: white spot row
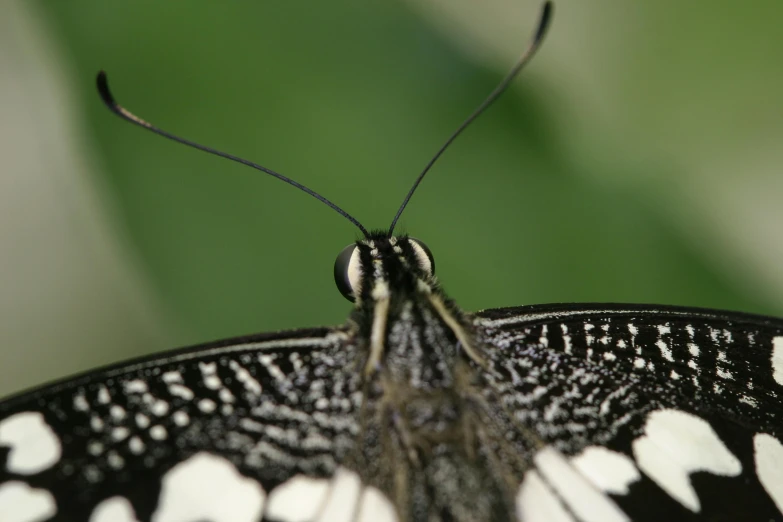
208, 487
675, 444
555, 489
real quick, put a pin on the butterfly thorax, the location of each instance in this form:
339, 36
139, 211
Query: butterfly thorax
422, 419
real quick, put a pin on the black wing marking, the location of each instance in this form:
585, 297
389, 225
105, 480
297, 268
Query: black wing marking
269, 406
676, 413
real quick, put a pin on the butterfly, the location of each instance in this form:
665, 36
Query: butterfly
415, 410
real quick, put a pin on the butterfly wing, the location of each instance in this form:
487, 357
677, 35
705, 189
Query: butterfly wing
641, 413
667, 413
177, 437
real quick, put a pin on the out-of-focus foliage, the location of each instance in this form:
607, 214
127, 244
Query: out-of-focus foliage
553, 195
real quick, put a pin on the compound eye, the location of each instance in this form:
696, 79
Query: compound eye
348, 272
423, 255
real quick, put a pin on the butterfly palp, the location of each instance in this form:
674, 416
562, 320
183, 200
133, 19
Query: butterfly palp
424, 256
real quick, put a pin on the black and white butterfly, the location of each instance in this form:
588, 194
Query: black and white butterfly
415, 410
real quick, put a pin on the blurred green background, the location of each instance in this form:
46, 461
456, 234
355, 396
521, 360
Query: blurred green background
636, 160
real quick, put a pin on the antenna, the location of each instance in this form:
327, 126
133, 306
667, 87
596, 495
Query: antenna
538, 36
103, 89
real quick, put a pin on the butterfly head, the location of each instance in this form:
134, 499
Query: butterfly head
367, 269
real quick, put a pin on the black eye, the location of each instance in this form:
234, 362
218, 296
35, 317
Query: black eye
424, 255
348, 272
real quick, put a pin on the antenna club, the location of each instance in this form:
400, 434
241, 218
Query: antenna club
102, 83
543, 24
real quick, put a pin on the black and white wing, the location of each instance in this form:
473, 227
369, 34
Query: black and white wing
225, 432
634, 413
643, 413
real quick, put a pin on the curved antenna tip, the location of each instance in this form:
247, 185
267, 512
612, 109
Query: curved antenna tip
543, 22
102, 82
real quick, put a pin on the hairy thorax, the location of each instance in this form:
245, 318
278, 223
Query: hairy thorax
430, 435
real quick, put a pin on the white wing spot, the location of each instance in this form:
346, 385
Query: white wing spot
96, 423
750, 401
80, 403
115, 460
171, 377
21, 503
136, 386
181, 418
117, 412
343, 497
609, 470
209, 373
225, 395
103, 395
375, 507
724, 374
95, 448
768, 454
582, 498
666, 351
777, 359
34, 446
114, 509
536, 503
208, 487
120, 433
207, 405
142, 421
159, 408
244, 376
158, 432
136, 445
566, 339
677, 444
297, 500
208, 368
182, 391
543, 339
